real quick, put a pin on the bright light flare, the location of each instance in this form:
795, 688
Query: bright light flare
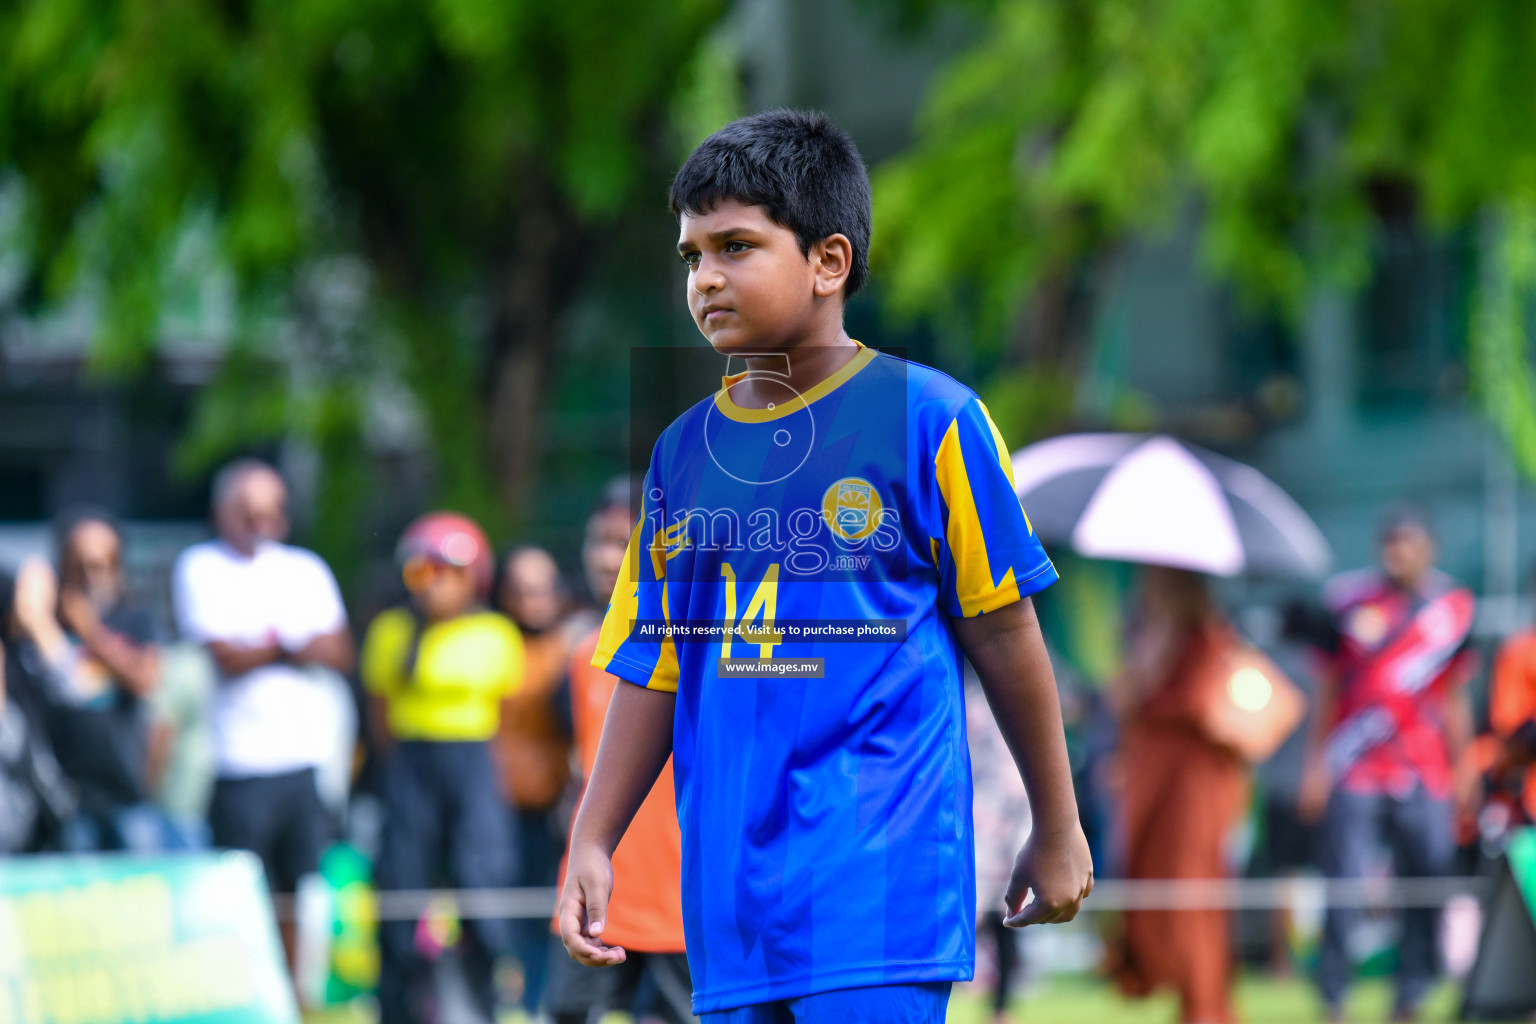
1250, 689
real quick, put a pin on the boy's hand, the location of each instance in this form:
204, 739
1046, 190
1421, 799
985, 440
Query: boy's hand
1058, 869
584, 908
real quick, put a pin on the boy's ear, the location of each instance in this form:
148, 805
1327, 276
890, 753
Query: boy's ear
831, 259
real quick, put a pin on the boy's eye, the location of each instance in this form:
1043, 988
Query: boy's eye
691, 258
736, 247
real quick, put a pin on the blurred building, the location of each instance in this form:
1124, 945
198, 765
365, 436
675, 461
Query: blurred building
1362, 402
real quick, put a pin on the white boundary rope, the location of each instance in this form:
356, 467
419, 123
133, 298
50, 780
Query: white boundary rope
1115, 894
1109, 895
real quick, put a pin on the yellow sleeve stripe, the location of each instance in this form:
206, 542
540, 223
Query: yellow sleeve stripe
623, 608
665, 675
1003, 458
967, 541
659, 556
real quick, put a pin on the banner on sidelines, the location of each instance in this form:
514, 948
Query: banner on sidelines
1522, 867
138, 940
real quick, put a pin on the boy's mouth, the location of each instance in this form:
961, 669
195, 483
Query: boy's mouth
714, 314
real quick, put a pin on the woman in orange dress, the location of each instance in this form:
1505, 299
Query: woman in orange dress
1181, 793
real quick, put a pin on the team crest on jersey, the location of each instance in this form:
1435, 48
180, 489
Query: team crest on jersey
851, 508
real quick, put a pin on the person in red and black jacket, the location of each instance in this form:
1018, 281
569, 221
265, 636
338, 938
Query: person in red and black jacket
1393, 718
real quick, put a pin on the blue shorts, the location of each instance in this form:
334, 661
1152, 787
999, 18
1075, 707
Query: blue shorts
922, 1003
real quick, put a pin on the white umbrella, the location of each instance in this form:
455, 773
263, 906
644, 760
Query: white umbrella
1152, 499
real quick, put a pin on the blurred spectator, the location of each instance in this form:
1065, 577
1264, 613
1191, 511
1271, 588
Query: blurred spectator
36, 800
181, 763
438, 671
1181, 791
110, 666
1287, 845
269, 615
1392, 719
1505, 754
1001, 811
601, 556
1099, 732
603, 546
646, 915
533, 748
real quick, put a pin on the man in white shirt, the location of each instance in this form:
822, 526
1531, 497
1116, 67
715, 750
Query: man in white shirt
267, 613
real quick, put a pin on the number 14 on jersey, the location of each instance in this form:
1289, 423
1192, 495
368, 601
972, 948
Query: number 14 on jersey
764, 603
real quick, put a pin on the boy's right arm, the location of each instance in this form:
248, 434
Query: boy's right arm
636, 742
1055, 865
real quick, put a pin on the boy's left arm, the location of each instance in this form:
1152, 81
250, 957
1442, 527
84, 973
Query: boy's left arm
1008, 652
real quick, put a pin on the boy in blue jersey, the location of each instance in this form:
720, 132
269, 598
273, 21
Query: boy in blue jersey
819, 543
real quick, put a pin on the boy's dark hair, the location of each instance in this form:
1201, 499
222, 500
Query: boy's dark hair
798, 166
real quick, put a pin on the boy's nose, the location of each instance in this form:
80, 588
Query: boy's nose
706, 280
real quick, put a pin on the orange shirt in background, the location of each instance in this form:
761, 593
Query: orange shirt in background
645, 913
532, 754
1512, 700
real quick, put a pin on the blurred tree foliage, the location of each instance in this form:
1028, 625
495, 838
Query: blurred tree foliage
384, 185
1072, 123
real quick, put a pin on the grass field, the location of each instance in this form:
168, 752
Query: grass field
1260, 1000
1076, 1000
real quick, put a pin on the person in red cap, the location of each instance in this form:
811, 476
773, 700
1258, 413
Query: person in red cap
437, 671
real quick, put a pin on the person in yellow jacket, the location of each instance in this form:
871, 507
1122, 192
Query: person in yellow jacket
437, 671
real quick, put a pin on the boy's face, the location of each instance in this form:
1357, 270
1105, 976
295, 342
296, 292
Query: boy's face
750, 288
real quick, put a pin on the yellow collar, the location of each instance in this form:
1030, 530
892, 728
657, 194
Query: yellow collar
821, 389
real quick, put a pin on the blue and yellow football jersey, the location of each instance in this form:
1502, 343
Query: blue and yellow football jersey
825, 812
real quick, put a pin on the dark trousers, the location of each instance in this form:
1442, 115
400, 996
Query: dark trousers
278, 817
1418, 831
540, 844
444, 823
1005, 942
645, 985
